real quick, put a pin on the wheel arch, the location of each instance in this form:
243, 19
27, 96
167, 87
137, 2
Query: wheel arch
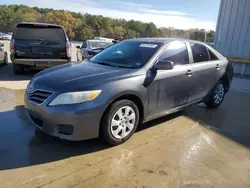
226, 81
132, 97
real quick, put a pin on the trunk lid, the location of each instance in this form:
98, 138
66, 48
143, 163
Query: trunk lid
36, 49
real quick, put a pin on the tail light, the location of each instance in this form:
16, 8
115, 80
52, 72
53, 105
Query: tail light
12, 46
68, 49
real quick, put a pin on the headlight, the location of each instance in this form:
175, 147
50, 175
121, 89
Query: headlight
75, 97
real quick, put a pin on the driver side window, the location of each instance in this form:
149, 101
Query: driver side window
84, 44
176, 52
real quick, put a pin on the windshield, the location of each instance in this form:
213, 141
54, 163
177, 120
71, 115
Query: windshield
99, 44
131, 54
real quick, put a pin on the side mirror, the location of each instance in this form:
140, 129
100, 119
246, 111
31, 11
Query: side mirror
163, 65
1, 44
78, 47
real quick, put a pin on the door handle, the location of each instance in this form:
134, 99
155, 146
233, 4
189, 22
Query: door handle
218, 67
189, 73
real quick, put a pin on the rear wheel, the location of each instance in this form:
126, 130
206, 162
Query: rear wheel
217, 96
5, 59
18, 69
120, 122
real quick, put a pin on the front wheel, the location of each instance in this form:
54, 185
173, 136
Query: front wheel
216, 97
120, 122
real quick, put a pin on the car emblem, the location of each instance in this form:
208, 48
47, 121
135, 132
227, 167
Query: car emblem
30, 88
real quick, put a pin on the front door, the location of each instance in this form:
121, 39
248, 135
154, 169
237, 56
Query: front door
170, 88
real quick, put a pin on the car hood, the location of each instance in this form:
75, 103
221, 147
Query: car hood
75, 76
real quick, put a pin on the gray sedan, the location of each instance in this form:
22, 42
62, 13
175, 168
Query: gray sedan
129, 83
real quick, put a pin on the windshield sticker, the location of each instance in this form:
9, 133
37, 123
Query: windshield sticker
148, 45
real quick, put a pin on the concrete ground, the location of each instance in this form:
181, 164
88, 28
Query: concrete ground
196, 148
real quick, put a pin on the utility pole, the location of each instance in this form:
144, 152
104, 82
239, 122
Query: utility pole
205, 40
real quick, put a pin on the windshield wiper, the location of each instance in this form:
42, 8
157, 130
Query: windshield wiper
110, 64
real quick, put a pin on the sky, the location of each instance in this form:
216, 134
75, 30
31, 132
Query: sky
180, 14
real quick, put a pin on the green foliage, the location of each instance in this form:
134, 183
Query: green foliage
85, 26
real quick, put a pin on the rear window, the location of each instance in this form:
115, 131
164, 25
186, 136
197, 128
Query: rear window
101, 44
46, 33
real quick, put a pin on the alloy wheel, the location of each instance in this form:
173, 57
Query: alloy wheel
123, 122
219, 93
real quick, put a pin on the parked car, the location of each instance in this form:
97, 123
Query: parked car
104, 39
3, 55
90, 48
4, 36
210, 44
129, 83
38, 46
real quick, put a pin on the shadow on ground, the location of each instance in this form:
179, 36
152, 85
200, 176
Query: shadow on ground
231, 119
22, 145
7, 74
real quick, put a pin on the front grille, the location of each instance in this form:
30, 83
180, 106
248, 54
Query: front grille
39, 96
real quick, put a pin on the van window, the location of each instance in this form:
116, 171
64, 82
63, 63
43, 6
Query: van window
99, 44
33, 32
84, 44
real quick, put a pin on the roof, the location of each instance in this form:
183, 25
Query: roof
163, 40
98, 40
37, 23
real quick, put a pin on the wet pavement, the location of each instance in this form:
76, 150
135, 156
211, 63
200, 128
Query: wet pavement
196, 148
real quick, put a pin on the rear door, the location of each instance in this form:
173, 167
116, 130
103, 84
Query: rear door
38, 41
204, 71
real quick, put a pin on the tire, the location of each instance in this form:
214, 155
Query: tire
216, 97
5, 59
18, 69
124, 126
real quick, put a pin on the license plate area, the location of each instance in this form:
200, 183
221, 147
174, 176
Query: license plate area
41, 51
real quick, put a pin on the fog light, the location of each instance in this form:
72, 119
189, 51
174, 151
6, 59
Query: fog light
66, 129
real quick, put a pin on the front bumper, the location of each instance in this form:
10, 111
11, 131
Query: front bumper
85, 119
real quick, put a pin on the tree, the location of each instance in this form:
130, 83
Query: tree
7, 18
119, 32
84, 32
150, 30
86, 26
63, 18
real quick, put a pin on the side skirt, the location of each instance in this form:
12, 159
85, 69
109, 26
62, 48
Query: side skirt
174, 110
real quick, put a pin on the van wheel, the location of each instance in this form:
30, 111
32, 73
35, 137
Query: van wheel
120, 122
18, 69
5, 59
217, 96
